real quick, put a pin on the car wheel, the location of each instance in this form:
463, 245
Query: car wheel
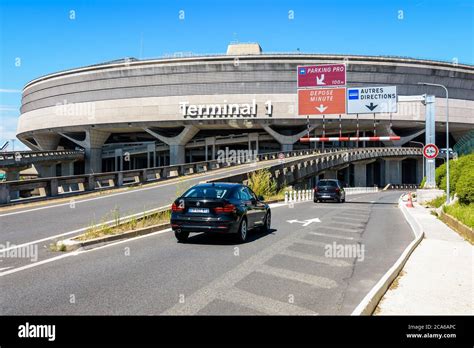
267, 222
343, 200
181, 236
243, 231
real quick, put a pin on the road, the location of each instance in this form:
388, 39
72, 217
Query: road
286, 271
49, 221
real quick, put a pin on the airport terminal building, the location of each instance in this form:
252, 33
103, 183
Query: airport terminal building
185, 109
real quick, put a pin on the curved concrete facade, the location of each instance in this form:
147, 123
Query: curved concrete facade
139, 102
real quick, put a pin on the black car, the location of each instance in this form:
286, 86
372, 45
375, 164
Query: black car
219, 208
329, 189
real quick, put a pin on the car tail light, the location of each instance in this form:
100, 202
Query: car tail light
315, 189
337, 190
227, 208
176, 208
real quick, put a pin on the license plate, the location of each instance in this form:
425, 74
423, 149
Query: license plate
199, 210
326, 196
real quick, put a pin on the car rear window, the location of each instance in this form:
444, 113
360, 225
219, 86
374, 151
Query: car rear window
206, 192
327, 183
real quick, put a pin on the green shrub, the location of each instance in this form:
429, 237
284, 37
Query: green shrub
457, 169
423, 182
262, 183
462, 212
465, 185
437, 202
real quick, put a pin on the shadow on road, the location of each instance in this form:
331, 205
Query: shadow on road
225, 239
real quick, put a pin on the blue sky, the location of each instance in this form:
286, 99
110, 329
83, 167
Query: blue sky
39, 37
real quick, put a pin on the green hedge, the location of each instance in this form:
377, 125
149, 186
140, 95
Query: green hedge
461, 179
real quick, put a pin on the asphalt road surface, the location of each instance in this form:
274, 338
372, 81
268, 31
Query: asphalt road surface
288, 271
35, 223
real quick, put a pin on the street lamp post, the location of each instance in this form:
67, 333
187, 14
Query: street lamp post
447, 133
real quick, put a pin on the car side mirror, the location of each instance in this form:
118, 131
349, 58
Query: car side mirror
261, 198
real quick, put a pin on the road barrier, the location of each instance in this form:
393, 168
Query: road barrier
292, 166
298, 196
356, 190
42, 188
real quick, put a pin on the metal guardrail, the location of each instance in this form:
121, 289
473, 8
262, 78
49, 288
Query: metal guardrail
300, 163
301, 168
18, 158
74, 184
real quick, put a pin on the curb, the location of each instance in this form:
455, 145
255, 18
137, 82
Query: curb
72, 244
372, 299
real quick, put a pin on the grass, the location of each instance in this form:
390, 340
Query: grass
135, 223
462, 212
437, 202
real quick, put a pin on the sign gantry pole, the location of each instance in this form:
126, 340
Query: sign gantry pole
375, 130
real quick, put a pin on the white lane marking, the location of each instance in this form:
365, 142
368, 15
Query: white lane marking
79, 252
340, 229
273, 205
331, 235
4, 268
79, 201
262, 304
313, 280
315, 258
80, 229
305, 222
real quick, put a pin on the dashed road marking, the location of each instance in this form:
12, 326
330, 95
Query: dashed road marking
315, 258
313, 280
262, 303
332, 236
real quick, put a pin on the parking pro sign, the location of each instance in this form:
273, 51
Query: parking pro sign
369, 100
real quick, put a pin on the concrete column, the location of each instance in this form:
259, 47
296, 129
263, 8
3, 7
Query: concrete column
286, 147
47, 141
67, 168
176, 144
11, 174
118, 160
419, 170
93, 148
177, 154
93, 160
360, 175
393, 171
46, 170
151, 152
286, 141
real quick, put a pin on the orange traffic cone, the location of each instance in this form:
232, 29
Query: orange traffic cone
410, 202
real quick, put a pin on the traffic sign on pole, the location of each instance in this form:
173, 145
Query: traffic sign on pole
430, 151
321, 101
369, 100
324, 75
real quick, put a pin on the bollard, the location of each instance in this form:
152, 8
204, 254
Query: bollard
410, 202
299, 195
286, 197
